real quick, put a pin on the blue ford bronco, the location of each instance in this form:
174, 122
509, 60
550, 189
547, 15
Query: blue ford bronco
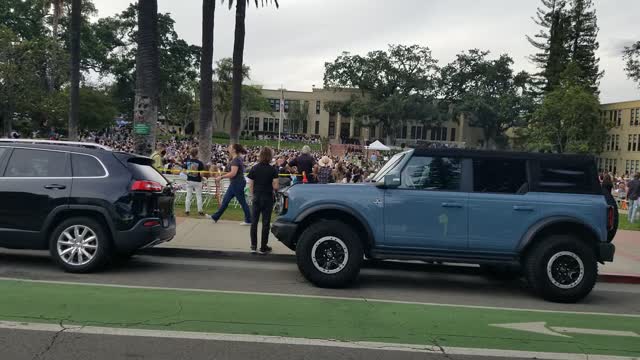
540, 215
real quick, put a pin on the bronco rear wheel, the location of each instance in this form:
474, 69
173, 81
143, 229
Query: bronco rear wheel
329, 254
562, 269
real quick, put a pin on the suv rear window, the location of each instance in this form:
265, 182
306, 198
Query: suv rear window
30, 163
557, 176
146, 172
502, 176
86, 166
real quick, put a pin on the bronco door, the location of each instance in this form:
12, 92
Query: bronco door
428, 210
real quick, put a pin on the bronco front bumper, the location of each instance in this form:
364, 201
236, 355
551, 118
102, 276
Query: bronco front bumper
285, 232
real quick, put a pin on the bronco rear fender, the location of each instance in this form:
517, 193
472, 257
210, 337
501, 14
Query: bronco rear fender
538, 228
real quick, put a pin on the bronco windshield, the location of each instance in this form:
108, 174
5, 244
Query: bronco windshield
390, 165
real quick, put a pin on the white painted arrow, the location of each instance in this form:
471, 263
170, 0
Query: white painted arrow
541, 328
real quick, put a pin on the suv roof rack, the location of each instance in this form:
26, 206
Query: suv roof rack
54, 142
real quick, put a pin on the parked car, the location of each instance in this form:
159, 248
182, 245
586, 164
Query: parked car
83, 202
543, 215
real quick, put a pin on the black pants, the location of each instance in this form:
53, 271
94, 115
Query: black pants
262, 205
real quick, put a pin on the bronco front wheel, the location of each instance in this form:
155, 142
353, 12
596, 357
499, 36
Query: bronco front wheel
329, 254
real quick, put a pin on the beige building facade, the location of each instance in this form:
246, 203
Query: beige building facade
621, 153
337, 127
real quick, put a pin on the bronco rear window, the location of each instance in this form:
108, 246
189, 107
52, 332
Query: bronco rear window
559, 176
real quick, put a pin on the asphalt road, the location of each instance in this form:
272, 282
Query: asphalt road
412, 282
401, 282
27, 345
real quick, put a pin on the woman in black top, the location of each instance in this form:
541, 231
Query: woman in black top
263, 183
236, 186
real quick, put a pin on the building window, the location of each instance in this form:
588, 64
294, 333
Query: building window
633, 112
332, 128
404, 132
356, 131
637, 167
619, 121
629, 144
635, 117
304, 127
444, 134
318, 107
617, 142
286, 106
265, 124
608, 143
413, 132
433, 133
372, 132
635, 142
317, 129
277, 125
613, 141
626, 167
453, 134
612, 119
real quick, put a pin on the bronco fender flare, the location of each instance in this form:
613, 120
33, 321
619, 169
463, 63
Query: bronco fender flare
369, 241
535, 229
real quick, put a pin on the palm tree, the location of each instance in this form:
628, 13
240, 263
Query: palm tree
238, 59
206, 80
58, 6
145, 109
74, 101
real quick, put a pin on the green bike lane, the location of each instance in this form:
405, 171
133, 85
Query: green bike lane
316, 318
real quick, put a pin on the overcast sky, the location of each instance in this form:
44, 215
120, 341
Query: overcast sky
290, 45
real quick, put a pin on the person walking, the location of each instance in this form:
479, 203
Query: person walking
304, 163
633, 196
236, 185
263, 183
194, 168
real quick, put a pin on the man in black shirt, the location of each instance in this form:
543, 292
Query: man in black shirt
304, 163
193, 168
263, 184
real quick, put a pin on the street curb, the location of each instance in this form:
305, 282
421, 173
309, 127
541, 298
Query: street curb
390, 265
619, 278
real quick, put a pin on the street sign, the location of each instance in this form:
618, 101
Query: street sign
541, 328
141, 129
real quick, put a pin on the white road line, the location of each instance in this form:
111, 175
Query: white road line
364, 345
594, 331
321, 297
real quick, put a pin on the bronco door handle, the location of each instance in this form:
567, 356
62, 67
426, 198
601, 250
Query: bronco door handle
55, 186
522, 208
451, 205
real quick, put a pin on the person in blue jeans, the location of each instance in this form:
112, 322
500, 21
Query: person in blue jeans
633, 195
236, 186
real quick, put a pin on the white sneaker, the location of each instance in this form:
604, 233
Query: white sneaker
245, 224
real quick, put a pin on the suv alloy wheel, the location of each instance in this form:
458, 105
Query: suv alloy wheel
80, 245
562, 268
329, 254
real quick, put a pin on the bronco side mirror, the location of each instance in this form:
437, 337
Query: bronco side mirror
389, 181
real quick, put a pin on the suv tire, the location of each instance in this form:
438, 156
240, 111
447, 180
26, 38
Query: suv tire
80, 245
561, 268
329, 254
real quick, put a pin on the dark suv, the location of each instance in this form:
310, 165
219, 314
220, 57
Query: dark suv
84, 202
540, 215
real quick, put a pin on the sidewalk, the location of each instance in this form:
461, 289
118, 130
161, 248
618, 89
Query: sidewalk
201, 234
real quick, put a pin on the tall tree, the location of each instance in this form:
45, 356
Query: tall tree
584, 43
74, 96
568, 120
488, 93
632, 61
206, 80
146, 104
395, 85
238, 62
223, 88
552, 42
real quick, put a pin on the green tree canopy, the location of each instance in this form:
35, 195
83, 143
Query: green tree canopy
632, 61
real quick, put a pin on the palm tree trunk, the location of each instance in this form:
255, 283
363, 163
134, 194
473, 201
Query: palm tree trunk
74, 101
206, 80
145, 108
238, 54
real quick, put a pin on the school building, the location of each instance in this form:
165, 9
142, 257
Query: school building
621, 153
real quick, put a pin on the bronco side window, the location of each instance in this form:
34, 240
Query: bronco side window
501, 176
432, 173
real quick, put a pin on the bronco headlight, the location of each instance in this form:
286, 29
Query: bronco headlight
282, 203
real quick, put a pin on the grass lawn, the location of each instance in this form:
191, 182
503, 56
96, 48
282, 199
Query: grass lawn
623, 223
232, 213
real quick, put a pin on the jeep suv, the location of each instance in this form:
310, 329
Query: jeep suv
83, 202
543, 215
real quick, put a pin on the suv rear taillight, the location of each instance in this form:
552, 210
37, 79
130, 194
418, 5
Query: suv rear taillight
610, 217
146, 185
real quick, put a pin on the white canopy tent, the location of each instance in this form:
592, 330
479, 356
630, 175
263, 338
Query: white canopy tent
377, 145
